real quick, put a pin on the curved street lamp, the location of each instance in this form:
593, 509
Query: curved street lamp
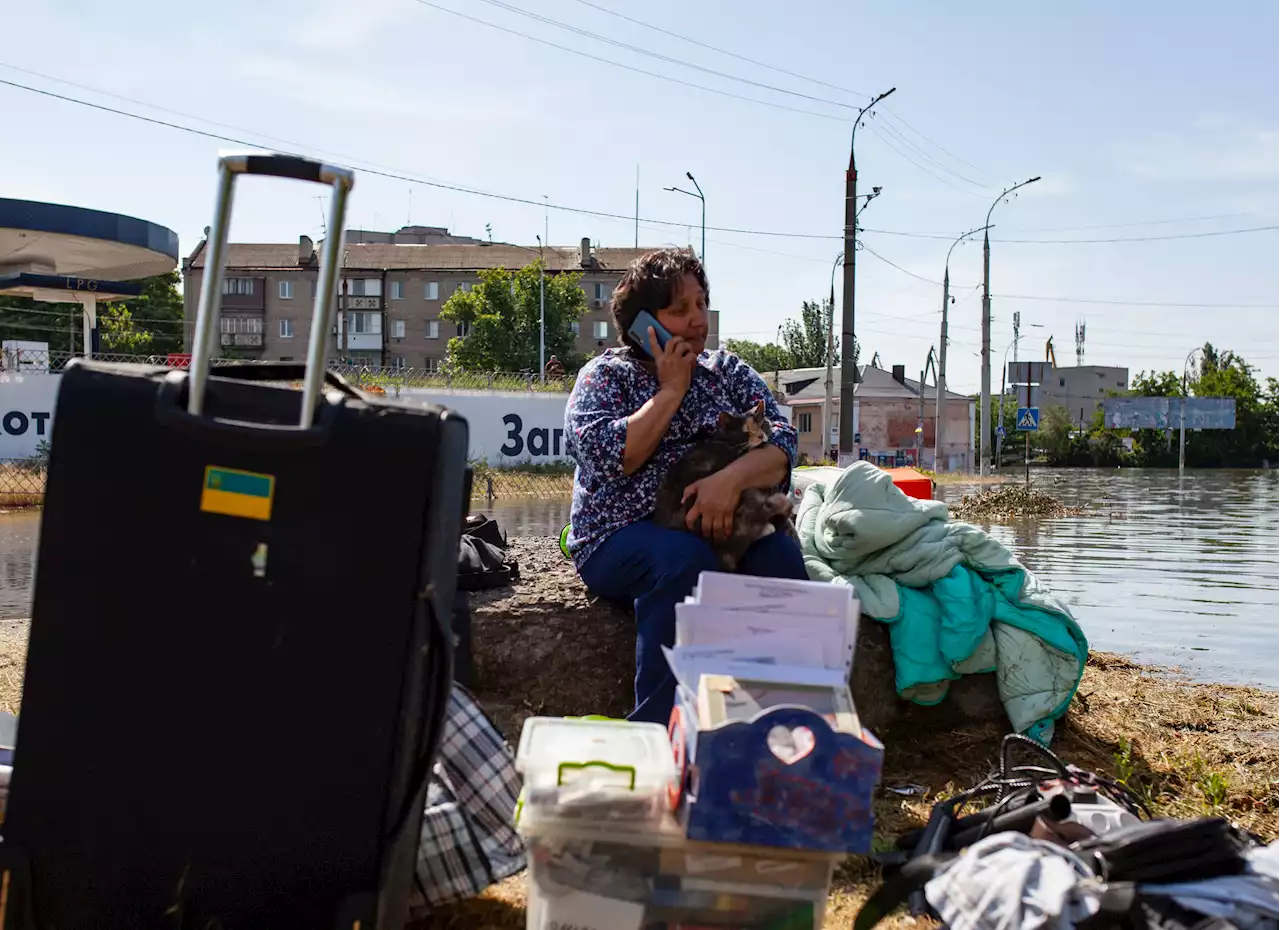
848, 368
984, 444
940, 410
698, 188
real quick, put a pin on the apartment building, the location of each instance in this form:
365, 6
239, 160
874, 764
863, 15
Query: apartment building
1081, 389
887, 410
391, 291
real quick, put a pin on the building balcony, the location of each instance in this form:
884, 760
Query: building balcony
357, 342
346, 302
241, 340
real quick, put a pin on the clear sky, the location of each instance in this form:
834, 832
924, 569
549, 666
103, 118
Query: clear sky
1145, 119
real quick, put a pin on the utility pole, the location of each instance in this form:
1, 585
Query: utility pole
1182, 410
828, 396
984, 439
940, 414
542, 313
699, 195
848, 365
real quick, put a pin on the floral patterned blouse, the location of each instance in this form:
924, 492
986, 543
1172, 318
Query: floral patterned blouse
613, 386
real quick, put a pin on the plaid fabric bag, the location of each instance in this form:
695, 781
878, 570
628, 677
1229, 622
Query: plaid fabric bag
469, 839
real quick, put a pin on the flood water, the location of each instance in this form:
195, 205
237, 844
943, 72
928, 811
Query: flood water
1171, 571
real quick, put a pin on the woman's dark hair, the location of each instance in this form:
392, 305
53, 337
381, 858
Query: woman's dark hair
651, 283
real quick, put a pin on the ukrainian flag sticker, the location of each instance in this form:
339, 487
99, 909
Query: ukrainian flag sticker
237, 493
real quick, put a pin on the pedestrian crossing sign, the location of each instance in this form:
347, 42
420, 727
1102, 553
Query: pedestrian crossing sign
1028, 419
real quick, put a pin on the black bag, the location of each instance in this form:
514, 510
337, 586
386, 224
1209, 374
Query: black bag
232, 701
1164, 851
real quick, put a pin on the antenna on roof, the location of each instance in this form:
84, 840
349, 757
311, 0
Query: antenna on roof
408, 220
320, 207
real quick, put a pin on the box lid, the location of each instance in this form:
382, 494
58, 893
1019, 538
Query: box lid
556, 750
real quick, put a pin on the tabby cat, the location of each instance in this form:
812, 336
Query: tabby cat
760, 511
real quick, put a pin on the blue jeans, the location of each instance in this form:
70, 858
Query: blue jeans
655, 568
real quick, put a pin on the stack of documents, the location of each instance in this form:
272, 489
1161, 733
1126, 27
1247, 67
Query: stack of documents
745, 644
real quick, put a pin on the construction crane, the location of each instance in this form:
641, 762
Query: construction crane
1048, 353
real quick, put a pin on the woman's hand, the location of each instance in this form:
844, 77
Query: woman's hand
717, 501
674, 363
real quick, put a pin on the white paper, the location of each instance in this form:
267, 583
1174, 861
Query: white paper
769, 594
585, 911
805, 640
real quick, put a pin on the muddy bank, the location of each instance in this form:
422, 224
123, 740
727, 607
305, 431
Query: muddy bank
544, 646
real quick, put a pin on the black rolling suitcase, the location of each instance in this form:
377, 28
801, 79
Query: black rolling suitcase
240, 658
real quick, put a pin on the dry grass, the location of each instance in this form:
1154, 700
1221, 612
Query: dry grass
21, 486
507, 485
545, 648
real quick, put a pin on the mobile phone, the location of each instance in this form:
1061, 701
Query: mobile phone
639, 331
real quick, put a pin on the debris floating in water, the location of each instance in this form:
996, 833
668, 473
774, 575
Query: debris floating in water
1008, 501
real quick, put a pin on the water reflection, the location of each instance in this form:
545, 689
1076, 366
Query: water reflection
18, 534
1180, 572
526, 516
1172, 571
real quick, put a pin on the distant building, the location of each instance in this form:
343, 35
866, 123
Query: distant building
1082, 389
392, 287
886, 413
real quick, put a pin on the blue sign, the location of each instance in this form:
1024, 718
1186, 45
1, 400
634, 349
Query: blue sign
1168, 412
1000, 431
1028, 419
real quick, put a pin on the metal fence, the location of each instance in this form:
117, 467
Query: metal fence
22, 483
513, 484
364, 376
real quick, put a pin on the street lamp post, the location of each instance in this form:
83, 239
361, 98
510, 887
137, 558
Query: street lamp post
1182, 413
1004, 367
542, 313
984, 439
828, 397
939, 415
848, 364
698, 188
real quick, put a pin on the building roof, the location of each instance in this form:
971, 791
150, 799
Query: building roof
275, 256
809, 385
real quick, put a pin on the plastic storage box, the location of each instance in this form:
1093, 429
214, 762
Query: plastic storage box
605, 851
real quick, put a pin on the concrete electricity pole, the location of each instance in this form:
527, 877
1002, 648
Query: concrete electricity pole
940, 415
984, 438
828, 397
848, 366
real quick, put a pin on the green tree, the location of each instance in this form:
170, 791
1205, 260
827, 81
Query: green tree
500, 317
805, 339
763, 358
157, 312
119, 334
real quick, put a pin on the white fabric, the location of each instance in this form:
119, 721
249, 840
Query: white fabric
1243, 899
1010, 881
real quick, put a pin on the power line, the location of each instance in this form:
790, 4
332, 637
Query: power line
618, 64
393, 175
526, 201
659, 56
714, 48
911, 161
1183, 219
598, 213
888, 127
73, 309
891, 114
1133, 303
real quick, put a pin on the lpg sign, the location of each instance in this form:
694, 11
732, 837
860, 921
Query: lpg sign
26, 412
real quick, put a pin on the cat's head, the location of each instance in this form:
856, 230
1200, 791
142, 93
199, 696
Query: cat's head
750, 429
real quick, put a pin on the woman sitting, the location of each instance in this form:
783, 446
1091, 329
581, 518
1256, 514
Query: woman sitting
631, 415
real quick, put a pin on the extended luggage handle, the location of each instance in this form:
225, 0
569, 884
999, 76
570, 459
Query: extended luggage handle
279, 166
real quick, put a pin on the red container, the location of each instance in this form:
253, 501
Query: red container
911, 483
